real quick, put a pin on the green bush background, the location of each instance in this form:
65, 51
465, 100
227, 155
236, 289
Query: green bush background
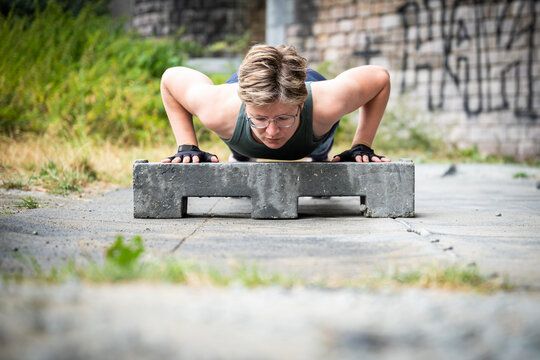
83, 75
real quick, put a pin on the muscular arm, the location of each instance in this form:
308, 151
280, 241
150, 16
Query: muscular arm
181, 90
366, 88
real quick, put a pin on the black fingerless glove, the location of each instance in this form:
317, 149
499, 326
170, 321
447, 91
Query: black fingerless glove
191, 151
350, 155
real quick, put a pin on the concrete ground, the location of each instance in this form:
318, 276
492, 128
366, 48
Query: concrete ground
479, 214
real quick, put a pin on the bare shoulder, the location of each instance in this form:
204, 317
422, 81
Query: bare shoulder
213, 104
188, 87
220, 109
344, 94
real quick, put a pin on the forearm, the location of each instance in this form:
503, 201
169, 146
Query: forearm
370, 116
180, 119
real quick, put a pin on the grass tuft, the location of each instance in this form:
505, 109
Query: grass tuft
64, 181
521, 175
454, 277
28, 202
15, 184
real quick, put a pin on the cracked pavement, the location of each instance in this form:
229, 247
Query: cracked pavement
481, 214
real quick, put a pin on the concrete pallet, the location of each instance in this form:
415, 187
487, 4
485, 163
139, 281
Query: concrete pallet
162, 190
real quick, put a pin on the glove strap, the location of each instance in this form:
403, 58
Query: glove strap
188, 148
364, 148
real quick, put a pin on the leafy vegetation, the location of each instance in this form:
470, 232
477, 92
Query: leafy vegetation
230, 45
83, 76
521, 175
29, 7
28, 202
64, 181
454, 277
17, 184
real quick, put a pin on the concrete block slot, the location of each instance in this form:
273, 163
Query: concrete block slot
331, 206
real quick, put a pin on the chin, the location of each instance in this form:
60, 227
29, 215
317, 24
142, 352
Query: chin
274, 145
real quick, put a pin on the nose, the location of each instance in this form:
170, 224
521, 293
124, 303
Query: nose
272, 129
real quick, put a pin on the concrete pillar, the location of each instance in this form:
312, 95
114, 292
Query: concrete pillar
119, 8
279, 14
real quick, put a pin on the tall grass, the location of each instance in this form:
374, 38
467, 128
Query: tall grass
83, 76
80, 99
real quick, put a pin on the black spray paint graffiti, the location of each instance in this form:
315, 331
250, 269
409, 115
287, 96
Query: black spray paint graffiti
484, 48
368, 52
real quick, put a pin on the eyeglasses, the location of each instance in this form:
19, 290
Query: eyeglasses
282, 121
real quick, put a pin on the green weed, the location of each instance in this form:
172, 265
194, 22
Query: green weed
28, 202
121, 261
454, 277
472, 154
30, 263
325, 68
58, 181
231, 45
520, 175
17, 184
6, 212
66, 180
125, 255
29, 7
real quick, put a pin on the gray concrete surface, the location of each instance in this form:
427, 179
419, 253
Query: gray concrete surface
163, 190
147, 321
480, 214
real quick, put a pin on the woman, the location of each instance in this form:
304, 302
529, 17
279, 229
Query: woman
269, 110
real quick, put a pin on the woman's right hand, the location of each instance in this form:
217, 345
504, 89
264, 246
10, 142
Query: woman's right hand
190, 153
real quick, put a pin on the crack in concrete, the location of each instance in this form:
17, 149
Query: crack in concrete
410, 228
433, 237
209, 214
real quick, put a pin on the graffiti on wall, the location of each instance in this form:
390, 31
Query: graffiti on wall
486, 50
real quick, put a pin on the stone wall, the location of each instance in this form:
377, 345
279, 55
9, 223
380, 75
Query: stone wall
472, 67
204, 21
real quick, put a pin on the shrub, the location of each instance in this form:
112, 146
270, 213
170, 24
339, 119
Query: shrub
83, 76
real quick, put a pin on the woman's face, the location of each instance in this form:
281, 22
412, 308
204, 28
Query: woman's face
274, 136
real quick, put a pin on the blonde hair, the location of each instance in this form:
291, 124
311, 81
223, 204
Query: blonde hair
270, 74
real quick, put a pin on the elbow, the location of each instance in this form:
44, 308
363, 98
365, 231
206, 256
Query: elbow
383, 75
165, 78
376, 75
172, 73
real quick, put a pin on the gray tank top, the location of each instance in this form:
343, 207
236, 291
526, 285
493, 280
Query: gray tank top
301, 144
